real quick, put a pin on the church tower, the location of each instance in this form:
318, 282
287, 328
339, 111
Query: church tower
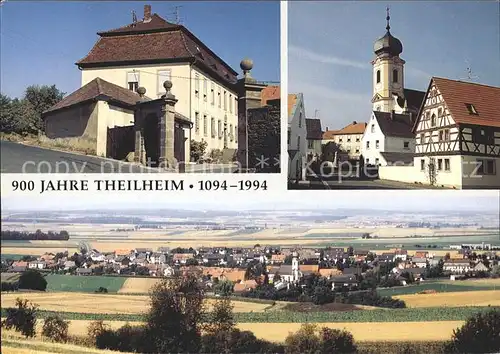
295, 266
388, 71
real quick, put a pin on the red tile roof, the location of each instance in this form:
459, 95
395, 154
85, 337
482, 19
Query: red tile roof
153, 42
486, 101
97, 88
270, 93
353, 128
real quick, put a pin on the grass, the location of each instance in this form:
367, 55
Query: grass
453, 299
442, 286
105, 304
394, 315
83, 283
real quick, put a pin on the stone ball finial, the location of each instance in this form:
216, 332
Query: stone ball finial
141, 91
246, 64
167, 85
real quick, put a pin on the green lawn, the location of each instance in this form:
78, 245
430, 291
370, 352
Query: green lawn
385, 315
441, 286
83, 283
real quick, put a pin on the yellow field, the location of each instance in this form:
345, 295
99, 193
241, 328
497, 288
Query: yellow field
451, 299
36, 251
100, 303
138, 285
362, 331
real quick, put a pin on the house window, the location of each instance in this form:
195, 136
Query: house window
357, 150
310, 144
395, 76
230, 104
377, 144
367, 144
197, 122
378, 76
212, 94
367, 161
349, 139
406, 145
219, 97
471, 108
357, 139
376, 161
298, 142
433, 120
447, 134
212, 127
446, 164
340, 139
422, 138
422, 164
235, 133
373, 128
440, 112
486, 167
231, 136
205, 87
205, 125
440, 165
219, 128
133, 81
163, 75
197, 85
300, 119
225, 101
289, 137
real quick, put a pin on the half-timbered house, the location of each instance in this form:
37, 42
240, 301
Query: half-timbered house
458, 135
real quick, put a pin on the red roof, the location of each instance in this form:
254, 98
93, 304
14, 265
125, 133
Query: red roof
155, 41
97, 88
456, 94
270, 93
353, 128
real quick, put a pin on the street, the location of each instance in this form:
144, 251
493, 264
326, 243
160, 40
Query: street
19, 158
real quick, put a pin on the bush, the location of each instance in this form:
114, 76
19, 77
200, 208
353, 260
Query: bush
370, 298
55, 328
328, 341
336, 341
22, 318
102, 290
224, 288
322, 295
94, 330
9, 286
32, 279
198, 150
479, 334
236, 341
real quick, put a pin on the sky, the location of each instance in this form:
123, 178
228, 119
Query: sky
273, 199
41, 41
330, 47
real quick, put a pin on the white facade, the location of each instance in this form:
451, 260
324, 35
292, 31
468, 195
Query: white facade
210, 105
297, 139
388, 79
351, 143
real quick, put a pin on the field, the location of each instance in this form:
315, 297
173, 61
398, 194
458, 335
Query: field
89, 303
443, 287
10, 277
137, 285
83, 283
453, 299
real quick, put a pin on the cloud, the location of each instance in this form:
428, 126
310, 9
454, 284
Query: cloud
325, 59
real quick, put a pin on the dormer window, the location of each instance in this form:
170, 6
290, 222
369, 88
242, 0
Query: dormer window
133, 81
471, 108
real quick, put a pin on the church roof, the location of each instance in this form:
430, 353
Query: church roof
313, 127
155, 40
414, 99
388, 44
458, 94
394, 124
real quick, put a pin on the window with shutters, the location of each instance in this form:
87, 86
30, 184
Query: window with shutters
225, 101
219, 128
212, 94
197, 85
212, 127
163, 75
231, 136
230, 103
205, 125
205, 88
197, 122
133, 81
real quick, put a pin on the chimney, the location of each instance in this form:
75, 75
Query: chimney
354, 122
147, 13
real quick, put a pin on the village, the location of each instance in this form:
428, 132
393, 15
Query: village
248, 268
446, 136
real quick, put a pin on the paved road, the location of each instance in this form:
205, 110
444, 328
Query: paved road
19, 158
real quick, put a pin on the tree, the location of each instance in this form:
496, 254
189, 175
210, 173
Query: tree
42, 98
22, 318
336, 341
305, 340
55, 328
174, 320
479, 334
322, 295
32, 279
221, 318
224, 288
94, 330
